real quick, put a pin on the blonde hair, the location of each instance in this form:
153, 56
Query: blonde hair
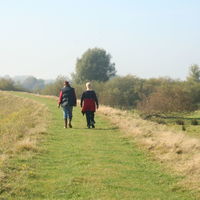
88, 85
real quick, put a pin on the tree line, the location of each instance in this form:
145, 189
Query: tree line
9, 84
149, 96
23, 83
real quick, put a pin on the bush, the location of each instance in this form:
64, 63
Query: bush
122, 92
160, 121
180, 122
167, 100
194, 122
8, 84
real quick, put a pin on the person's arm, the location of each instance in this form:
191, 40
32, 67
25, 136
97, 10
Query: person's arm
60, 98
74, 94
96, 100
82, 98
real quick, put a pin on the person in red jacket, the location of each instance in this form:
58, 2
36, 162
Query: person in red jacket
67, 99
89, 104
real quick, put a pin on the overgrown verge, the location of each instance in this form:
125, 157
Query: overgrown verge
23, 123
175, 149
188, 122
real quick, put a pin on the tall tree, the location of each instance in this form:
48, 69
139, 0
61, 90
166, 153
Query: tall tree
94, 64
194, 73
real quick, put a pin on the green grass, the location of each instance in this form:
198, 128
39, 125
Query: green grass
91, 164
171, 120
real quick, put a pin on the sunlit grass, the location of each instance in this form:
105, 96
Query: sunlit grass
81, 164
21, 123
176, 149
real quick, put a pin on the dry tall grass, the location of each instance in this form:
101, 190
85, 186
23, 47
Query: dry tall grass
176, 150
22, 121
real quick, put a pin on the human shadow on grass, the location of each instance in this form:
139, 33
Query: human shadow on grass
99, 129
111, 128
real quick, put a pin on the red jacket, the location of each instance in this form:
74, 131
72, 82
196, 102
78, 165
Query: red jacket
89, 101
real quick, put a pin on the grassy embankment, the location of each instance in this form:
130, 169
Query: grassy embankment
99, 163
178, 150
22, 124
188, 122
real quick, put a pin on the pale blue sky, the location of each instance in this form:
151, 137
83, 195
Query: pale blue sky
146, 38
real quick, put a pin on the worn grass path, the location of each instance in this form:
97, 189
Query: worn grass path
94, 164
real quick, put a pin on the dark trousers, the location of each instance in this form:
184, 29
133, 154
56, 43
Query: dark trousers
90, 118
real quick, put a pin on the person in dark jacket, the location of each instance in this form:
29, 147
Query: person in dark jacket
67, 99
89, 103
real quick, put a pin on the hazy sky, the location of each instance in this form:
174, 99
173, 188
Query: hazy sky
146, 38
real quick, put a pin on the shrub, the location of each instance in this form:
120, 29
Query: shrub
180, 122
160, 121
166, 100
194, 122
8, 84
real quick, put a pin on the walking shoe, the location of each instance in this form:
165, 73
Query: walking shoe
92, 124
70, 126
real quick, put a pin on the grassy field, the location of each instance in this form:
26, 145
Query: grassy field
95, 164
188, 122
